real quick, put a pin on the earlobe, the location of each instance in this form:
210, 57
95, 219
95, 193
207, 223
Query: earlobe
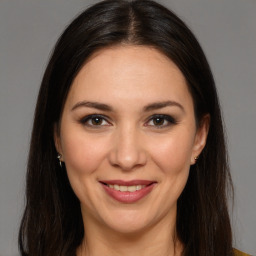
56, 136
200, 138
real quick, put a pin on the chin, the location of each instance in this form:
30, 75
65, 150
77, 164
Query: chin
128, 223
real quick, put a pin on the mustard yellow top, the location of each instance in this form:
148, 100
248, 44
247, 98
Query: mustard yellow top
239, 253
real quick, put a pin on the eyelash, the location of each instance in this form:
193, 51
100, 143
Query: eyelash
87, 119
165, 118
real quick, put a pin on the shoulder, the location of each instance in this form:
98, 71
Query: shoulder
239, 253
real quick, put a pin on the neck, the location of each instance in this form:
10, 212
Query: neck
159, 240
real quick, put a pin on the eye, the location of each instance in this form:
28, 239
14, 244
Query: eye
95, 120
161, 121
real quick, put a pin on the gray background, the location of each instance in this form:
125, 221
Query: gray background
28, 31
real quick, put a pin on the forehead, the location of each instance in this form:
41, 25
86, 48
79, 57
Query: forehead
135, 73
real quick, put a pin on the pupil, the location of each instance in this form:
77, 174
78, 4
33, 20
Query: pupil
97, 121
158, 121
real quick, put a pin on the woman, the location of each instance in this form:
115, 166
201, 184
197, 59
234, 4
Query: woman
127, 153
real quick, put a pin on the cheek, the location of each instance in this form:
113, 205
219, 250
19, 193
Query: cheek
173, 159
82, 154
173, 153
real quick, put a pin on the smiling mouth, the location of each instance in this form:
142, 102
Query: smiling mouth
130, 186
126, 188
128, 191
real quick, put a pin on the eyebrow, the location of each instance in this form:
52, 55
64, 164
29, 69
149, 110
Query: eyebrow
105, 107
158, 105
89, 104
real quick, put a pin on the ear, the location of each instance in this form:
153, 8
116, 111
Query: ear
200, 138
57, 141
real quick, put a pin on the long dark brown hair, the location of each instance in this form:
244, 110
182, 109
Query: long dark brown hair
52, 222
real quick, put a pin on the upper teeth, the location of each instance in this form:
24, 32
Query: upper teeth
126, 188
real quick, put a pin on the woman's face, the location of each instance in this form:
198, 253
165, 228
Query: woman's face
128, 137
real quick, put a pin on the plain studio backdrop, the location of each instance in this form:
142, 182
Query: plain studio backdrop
28, 31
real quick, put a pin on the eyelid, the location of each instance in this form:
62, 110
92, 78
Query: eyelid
171, 120
85, 119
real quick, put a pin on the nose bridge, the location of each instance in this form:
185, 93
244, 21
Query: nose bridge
128, 151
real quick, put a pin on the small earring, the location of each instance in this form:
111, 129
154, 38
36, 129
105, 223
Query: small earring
59, 156
196, 158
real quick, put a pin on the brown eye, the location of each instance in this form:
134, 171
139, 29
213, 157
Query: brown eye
158, 121
161, 121
96, 120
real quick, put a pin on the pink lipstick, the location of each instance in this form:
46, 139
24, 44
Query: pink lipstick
128, 191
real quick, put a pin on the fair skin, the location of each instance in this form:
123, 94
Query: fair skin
146, 130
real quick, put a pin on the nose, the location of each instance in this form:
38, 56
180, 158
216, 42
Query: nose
128, 152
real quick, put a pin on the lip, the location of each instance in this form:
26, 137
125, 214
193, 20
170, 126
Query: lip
128, 197
128, 183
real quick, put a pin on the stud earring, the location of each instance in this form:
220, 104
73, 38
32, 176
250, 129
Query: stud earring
196, 158
59, 156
